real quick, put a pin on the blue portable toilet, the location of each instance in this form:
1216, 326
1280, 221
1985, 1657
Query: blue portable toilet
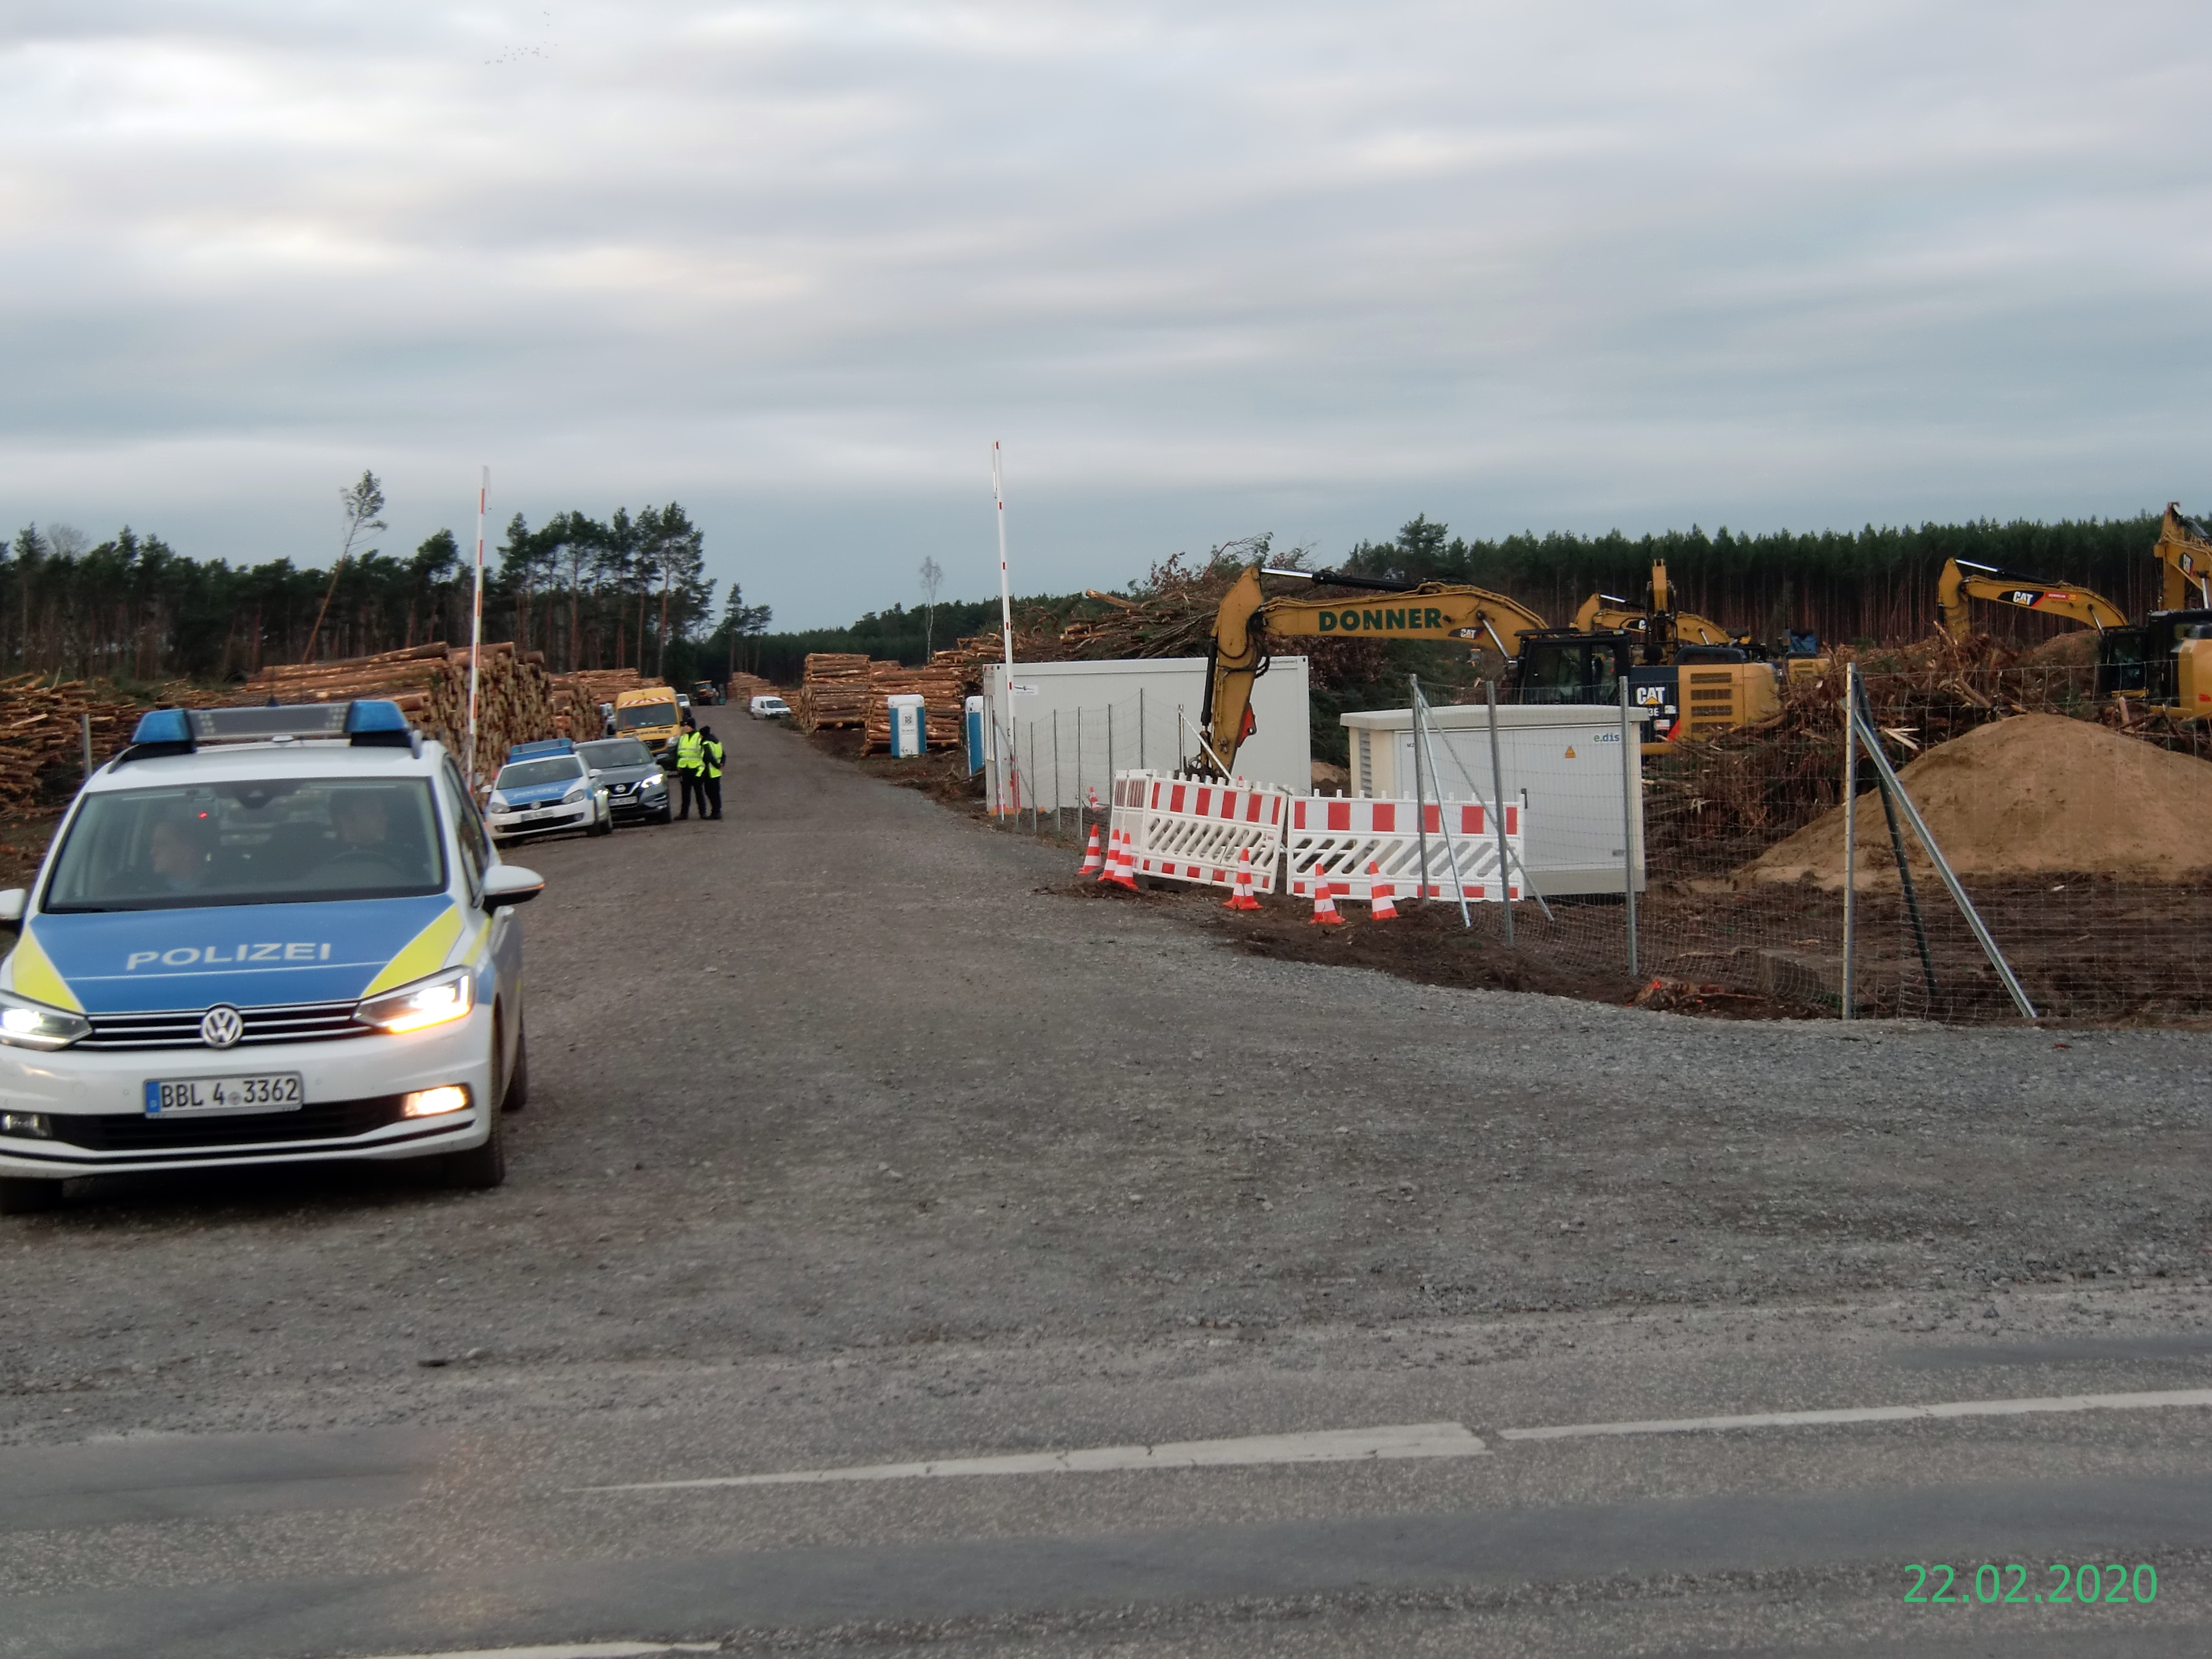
974, 736
909, 736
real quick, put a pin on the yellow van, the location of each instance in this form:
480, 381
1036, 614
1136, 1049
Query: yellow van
649, 714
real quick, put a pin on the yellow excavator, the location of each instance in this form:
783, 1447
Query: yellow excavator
1719, 680
1963, 580
1655, 625
2164, 661
1248, 619
1692, 689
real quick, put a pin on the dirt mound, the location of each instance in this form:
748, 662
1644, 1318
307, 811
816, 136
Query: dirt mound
2035, 794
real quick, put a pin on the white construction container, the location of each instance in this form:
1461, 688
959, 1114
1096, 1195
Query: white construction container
1564, 759
1056, 734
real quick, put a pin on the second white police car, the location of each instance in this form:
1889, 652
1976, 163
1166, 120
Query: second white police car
263, 936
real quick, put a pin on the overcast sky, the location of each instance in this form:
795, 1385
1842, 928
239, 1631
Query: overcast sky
1206, 269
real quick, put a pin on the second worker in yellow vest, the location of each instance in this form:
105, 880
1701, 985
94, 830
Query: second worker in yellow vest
710, 773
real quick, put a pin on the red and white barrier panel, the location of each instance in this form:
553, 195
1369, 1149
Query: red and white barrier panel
1193, 829
1334, 841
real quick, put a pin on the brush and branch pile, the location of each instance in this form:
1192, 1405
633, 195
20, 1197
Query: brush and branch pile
1720, 799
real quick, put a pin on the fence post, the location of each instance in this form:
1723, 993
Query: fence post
1055, 772
1982, 936
1420, 796
84, 719
1140, 728
1498, 806
1850, 835
1632, 785
1033, 791
1423, 733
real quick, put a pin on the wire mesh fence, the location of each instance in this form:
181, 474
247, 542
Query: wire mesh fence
2078, 845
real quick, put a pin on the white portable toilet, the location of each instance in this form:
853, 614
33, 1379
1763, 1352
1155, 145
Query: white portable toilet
909, 736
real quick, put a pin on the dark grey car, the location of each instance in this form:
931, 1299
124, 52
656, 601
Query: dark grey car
637, 789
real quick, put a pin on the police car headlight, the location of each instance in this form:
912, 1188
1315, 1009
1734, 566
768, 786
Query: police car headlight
427, 1002
576, 795
26, 1024
497, 803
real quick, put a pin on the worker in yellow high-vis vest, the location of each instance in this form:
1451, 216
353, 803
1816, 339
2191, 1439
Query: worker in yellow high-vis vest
710, 773
690, 761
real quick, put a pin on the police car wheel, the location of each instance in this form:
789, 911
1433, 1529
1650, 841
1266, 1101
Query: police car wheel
479, 1167
517, 1081
21, 1196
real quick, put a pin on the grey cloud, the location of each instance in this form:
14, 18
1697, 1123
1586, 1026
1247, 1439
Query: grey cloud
1301, 266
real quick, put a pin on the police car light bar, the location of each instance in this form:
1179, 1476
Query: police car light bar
368, 721
540, 749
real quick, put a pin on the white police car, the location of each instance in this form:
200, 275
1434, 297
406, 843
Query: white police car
273, 935
545, 787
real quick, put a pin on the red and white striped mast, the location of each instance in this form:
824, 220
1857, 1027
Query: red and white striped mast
1006, 630
476, 625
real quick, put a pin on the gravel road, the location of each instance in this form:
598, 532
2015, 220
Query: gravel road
851, 1118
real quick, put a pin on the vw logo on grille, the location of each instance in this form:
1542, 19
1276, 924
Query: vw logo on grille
222, 1026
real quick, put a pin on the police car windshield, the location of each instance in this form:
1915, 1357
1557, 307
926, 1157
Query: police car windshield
646, 714
287, 841
524, 775
615, 751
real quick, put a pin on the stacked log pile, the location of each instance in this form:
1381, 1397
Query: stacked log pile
942, 688
42, 733
742, 688
576, 698
834, 691
430, 684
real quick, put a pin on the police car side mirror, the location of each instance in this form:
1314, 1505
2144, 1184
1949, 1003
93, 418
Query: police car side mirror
12, 901
510, 884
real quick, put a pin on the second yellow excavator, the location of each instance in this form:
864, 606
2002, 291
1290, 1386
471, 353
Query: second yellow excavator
1655, 625
1963, 580
2164, 661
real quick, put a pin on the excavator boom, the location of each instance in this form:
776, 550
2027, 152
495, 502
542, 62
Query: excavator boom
1962, 580
1401, 610
2184, 549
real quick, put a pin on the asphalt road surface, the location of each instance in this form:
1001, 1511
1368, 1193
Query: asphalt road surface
860, 1141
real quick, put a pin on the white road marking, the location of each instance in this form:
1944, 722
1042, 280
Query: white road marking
2064, 1403
570, 1651
1325, 1446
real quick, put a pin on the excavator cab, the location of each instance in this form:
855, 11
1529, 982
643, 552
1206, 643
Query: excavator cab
1561, 665
2167, 662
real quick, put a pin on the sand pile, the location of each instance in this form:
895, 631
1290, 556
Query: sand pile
2032, 795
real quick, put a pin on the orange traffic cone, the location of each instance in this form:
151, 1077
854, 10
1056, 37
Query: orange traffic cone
1382, 896
1324, 914
1118, 867
1241, 899
1094, 862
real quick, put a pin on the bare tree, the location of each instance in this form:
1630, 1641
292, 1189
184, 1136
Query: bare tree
360, 503
933, 578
